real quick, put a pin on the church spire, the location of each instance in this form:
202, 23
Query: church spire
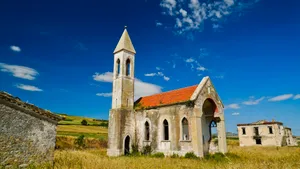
125, 43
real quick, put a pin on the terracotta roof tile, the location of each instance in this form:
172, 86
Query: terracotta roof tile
167, 98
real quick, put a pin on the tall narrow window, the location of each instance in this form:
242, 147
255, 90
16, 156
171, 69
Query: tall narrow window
256, 131
185, 129
147, 131
118, 67
127, 67
244, 130
270, 129
166, 130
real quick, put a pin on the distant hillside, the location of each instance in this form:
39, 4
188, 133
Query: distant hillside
76, 120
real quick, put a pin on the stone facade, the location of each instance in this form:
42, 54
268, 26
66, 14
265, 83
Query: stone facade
26, 136
265, 134
178, 127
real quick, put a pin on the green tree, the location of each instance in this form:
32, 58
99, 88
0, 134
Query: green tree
84, 122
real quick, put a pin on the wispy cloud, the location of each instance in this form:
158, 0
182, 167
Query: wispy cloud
232, 106
189, 60
104, 94
15, 48
201, 68
166, 78
158, 23
190, 15
29, 88
150, 74
281, 97
219, 77
140, 88
297, 96
235, 114
19, 71
252, 101
161, 74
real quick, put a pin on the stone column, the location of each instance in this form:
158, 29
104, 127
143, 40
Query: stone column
196, 132
222, 144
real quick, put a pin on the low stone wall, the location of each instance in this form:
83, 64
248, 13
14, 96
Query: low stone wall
25, 139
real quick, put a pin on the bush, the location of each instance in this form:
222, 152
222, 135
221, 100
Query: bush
135, 150
174, 155
190, 155
79, 141
158, 155
84, 122
216, 157
147, 150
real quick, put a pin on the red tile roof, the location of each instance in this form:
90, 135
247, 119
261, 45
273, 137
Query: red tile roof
167, 98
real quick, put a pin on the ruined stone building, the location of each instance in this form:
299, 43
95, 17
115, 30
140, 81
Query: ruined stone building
265, 133
27, 133
173, 122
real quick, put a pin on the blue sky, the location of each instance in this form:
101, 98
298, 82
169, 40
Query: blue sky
58, 55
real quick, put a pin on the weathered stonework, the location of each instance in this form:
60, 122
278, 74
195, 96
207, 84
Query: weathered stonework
266, 134
148, 126
25, 138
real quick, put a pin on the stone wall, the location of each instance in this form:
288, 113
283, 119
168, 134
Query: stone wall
25, 139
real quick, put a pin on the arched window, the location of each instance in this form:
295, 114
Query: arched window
166, 130
185, 129
118, 67
147, 131
127, 67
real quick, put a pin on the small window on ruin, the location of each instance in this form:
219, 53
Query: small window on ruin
270, 130
147, 131
185, 129
166, 130
118, 67
127, 67
244, 130
256, 131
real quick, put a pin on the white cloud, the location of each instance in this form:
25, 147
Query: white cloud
29, 88
189, 60
252, 101
166, 78
150, 74
297, 96
281, 97
160, 74
199, 74
104, 77
159, 24
140, 88
201, 68
232, 106
235, 114
104, 94
19, 71
189, 15
15, 48
158, 68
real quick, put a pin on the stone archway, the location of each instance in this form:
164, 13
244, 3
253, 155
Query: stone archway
210, 122
127, 145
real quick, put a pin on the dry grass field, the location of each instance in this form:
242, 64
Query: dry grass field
237, 158
87, 131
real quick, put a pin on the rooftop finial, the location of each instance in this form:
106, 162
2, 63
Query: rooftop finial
125, 27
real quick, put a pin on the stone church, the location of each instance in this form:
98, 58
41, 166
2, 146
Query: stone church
172, 122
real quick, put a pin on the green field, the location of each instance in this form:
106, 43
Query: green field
77, 130
76, 120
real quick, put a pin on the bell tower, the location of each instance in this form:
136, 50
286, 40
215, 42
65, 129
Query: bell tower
123, 75
121, 115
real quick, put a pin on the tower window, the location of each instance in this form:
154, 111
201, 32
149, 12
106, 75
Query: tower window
185, 129
166, 130
147, 131
118, 66
127, 67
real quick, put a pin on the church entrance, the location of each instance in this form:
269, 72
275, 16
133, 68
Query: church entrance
210, 127
127, 145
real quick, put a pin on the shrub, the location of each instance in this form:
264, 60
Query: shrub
174, 155
135, 150
232, 156
158, 155
79, 141
190, 155
216, 157
84, 122
147, 150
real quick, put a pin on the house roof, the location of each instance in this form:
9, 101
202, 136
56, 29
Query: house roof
261, 122
125, 43
16, 103
167, 98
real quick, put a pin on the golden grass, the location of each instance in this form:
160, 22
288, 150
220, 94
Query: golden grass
81, 129
238, 157
67, 142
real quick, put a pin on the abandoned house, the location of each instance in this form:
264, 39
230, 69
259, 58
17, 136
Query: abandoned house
27, 133
265, 133
173, 122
